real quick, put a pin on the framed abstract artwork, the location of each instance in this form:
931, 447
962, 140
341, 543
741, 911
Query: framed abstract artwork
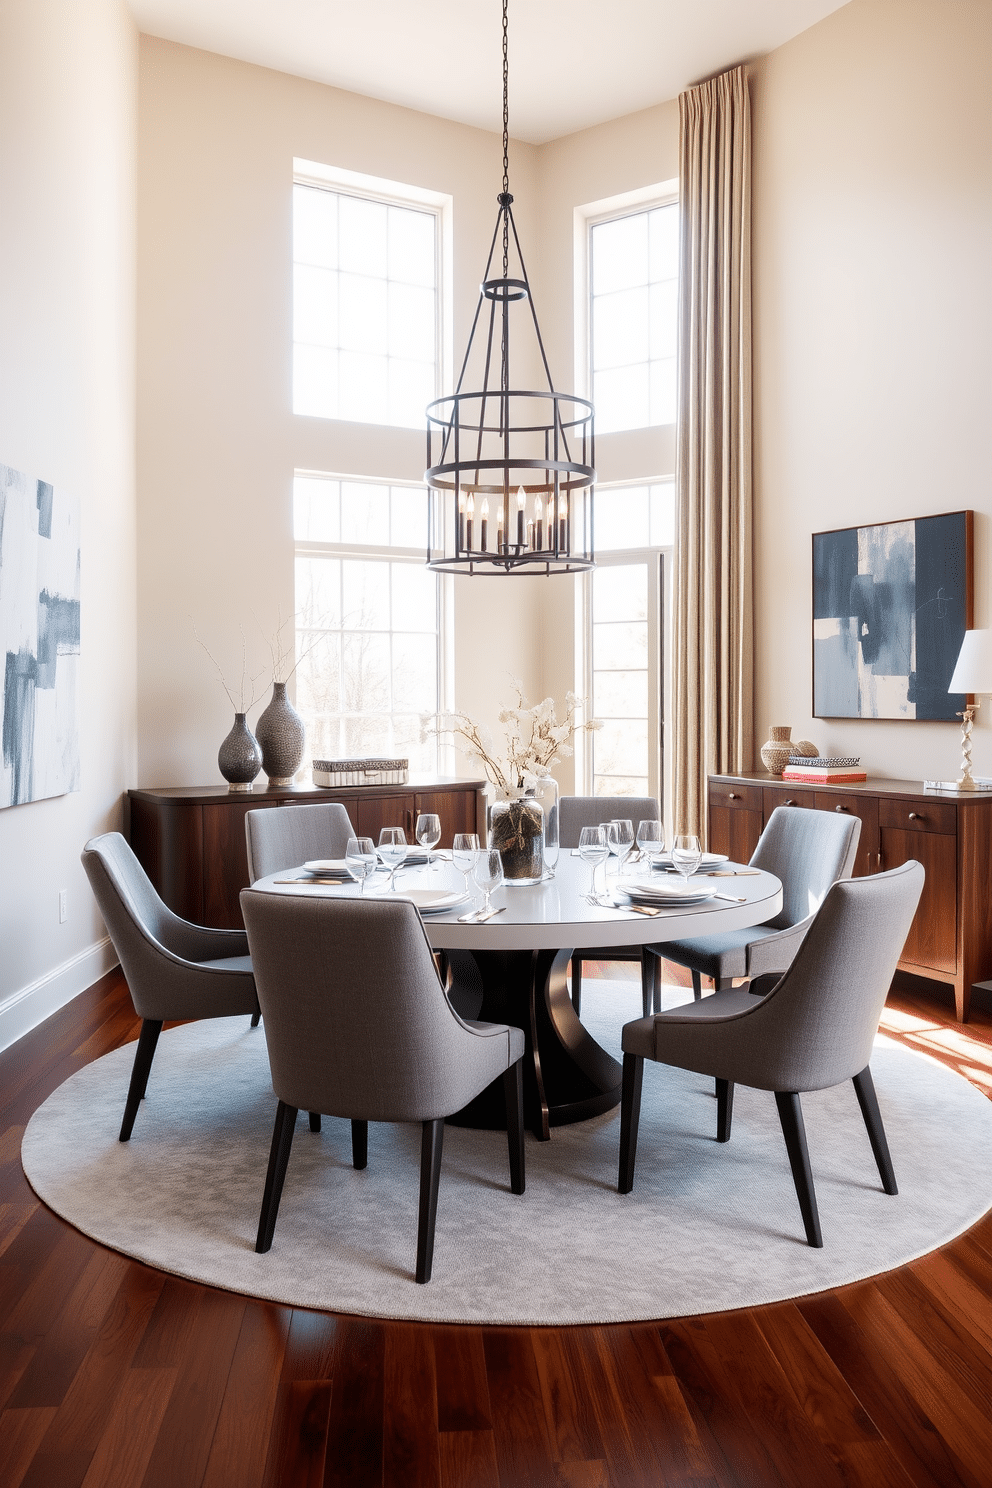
39, 639
891, 604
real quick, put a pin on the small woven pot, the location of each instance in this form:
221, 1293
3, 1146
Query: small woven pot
775, 754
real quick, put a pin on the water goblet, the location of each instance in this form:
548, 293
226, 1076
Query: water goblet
360, 859
392, 850
651, 839
593, 849
488, 874
686, 856
620, 836
463, 851
428, 832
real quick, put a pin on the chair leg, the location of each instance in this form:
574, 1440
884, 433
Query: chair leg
256, 1018
790, 1113
513, 1092
431, 1144
630, 1115
359, 1144
314, 1120
143, 1056
697, 986
275, 1177
864, 1087
577, 984
650, 983
724, 1109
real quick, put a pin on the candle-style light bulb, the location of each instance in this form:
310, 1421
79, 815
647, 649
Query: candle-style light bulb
538, 523
521, 500
469, 515
484, 525
461, 517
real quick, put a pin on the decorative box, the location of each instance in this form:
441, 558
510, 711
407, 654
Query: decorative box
361, 772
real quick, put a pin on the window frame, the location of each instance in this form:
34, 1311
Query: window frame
386, 553
390, 194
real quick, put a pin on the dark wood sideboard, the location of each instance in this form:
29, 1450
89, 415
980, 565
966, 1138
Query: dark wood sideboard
191, 841
950, 939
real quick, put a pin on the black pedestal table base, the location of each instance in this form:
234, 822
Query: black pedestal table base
567, 1075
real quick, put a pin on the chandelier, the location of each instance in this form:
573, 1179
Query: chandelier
510, 473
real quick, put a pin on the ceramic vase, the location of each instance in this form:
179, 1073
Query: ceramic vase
775, 754
282, 736
239, 758
516, 828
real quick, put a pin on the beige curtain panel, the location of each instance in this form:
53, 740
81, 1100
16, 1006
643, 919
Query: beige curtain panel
713, 725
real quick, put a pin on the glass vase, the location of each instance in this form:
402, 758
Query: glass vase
546, 791
516, 829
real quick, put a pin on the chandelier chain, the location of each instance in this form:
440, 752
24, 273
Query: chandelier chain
506, 142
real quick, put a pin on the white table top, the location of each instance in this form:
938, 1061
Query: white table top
553, 914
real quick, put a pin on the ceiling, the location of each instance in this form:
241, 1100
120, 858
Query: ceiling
573, 63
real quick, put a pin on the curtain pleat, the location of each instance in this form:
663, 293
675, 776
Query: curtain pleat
712, 684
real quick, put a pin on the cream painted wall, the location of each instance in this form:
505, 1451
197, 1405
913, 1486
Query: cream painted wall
218, 442
67, 80
873, 321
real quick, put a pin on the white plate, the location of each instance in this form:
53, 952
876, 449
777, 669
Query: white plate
708, 860
663, 893
435, 901
328, 867
415, 857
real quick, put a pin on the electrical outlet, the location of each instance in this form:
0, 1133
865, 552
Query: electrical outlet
63, 906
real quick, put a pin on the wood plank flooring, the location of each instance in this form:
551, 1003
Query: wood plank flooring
116, 1376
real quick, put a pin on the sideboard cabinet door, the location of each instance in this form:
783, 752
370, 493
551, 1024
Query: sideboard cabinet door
735, 819
926, 831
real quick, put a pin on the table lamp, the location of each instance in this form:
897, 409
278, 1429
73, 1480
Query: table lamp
972, 674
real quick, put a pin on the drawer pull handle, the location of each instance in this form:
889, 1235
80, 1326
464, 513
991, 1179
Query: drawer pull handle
915, 816
790, 802
840, 808
732, 796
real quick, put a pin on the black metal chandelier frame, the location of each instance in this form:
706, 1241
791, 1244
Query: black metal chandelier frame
510, 472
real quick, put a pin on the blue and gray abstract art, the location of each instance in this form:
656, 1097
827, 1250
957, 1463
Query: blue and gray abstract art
39, 639
890, 609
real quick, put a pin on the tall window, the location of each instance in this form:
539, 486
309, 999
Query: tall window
625, 626
633, 278
365, 308
368, 620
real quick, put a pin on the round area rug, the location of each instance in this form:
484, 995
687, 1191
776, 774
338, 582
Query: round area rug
708, 1226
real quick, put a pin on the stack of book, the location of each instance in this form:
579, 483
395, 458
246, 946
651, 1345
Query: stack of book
824, 771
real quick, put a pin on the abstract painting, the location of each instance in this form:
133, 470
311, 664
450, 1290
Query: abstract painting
39, 639
891, 604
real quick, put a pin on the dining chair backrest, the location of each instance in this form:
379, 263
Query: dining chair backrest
816, 1027
357, 1021
808, 851
576, 812
131, 908
281, 837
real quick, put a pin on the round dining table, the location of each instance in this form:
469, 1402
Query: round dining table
512, 968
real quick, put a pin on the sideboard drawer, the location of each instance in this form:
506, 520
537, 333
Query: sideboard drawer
779, 796
735, 797
919, 816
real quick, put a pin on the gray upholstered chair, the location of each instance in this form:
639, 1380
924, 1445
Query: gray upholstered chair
173, 969
814, 1029
806, 850
358, 1025
281, 837
574, 813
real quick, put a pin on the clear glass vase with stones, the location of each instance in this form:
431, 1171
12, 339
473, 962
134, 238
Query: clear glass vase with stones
516, 829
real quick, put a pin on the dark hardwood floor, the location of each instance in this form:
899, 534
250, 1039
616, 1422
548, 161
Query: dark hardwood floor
114, 1374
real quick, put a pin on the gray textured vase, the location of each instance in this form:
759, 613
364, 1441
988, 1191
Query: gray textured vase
239, 758
282, 736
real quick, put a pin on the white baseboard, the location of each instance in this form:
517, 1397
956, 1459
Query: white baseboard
30, 1006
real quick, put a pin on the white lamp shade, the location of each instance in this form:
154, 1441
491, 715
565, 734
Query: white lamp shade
973, 672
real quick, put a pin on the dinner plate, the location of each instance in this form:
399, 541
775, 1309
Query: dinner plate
413, 859
708, 860
435, 901
328, 867
664, 893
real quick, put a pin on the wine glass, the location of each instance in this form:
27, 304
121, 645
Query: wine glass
593, 849
620, 837
428, 832
686, 856
360, 859
392, 850
463, 851
488, 874
651, 840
